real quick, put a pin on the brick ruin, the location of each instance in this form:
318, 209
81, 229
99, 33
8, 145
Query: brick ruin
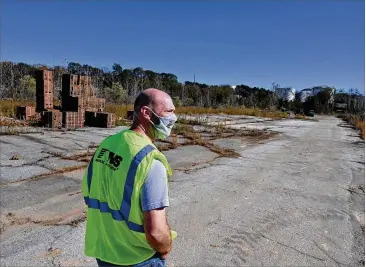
79, 106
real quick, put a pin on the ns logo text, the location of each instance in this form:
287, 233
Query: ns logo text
112, 160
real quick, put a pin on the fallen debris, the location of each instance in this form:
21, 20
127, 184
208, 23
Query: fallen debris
6, 121
16, 156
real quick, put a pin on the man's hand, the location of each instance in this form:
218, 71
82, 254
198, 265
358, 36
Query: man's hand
164, 256
157, 231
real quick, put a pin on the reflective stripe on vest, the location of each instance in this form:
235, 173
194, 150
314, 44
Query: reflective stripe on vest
124, 212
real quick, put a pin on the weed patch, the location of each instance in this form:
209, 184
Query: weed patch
357, 120
233, 111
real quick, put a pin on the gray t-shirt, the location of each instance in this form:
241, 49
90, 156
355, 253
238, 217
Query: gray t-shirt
154, 193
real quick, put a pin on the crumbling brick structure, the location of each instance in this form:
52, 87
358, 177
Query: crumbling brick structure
77, 97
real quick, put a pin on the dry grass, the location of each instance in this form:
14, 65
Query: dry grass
8, 109
10, 122
11, 219
8, 106
181, 129
164, 147
119, 110
200, 120
358, 121
361, 126
233, 111
10, 131
123, 122
301, 117
194, 138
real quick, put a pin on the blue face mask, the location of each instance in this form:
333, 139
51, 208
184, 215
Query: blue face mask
164, 125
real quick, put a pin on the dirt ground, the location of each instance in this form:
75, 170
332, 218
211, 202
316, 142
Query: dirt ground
294, 198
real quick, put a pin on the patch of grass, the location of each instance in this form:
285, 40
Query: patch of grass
233, 111
56, 221
220, 128
85, 157
181, 129
174, 141
119, 110
198, 120
10, 131
164, 147
8, 107
361, 126
224, 152
10, 122
123, 122
357, 120
16, 156
194, 138
301, 117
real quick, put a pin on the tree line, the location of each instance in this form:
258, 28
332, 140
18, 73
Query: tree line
121, 85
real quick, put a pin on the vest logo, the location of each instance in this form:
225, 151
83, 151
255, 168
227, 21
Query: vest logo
113, 161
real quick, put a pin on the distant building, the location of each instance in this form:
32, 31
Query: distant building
286, 93
340, 106
305, 94
308, 92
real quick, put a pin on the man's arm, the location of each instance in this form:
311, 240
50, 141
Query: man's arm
154, 200
157, 231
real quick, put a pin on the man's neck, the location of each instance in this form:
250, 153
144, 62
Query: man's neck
138, 128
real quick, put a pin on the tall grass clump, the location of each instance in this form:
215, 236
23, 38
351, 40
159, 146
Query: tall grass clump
357, 120
119, 110
8, 107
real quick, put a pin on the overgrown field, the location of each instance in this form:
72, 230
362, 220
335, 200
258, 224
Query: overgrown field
233, 111
8, 108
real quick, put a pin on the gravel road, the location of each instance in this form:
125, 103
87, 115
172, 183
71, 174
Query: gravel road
294, 200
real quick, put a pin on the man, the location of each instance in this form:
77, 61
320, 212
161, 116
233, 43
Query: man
125, 189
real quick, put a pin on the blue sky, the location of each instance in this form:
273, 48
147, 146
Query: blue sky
293, 43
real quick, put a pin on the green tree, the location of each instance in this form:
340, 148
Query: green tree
27, 87
74, 68
177, 102
115, 94
117, 72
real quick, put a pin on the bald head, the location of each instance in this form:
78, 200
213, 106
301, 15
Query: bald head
151, 104
159, 101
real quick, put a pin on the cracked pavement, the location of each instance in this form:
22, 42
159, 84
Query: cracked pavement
294, 200
285, 202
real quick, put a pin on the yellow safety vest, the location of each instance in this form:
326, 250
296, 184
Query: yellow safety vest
111, 188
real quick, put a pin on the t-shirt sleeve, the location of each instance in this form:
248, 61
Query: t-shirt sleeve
154, 193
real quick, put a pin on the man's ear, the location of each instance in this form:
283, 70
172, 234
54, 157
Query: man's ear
145, 112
